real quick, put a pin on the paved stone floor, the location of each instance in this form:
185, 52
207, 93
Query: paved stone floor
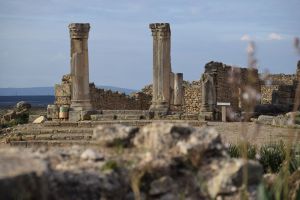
233, 132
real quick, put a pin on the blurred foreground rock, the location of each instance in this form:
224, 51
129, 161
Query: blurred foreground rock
157, 161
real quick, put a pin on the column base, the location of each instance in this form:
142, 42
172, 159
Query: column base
160, 109
81, 105
80, 115
80, 110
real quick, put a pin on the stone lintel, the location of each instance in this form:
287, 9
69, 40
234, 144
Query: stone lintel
79, 30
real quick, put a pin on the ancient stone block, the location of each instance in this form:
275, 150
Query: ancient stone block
52, 112
63, 90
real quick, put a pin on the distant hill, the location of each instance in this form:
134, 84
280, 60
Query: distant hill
112, 88
37, 91
32, 91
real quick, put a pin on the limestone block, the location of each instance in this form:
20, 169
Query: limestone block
63, 90
52, 112
265, 119
39, 120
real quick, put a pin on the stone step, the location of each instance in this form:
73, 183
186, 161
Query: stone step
53, 130
101, 117
125, 112
19, 137
59, 135
89, 124
52, 143
140, 123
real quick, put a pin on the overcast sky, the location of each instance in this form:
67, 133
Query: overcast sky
34, 38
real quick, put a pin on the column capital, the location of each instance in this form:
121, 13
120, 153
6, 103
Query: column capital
160, 29
79, 30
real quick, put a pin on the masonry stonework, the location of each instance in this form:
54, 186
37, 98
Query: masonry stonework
271, 83
192, 97
103, 99
232, 82
108, 100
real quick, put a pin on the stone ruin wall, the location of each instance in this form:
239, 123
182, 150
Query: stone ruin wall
272, 83
108, 100
103, 99
226, 91
229, 79
192, 97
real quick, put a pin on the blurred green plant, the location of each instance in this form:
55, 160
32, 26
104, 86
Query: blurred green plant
20, 119
235, 151
110, 165
272, 157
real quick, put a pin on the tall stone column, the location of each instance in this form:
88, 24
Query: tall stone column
80, 99
161, 67
178, 89
172, 75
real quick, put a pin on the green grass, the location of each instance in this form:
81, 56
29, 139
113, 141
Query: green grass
270, 156
235, 151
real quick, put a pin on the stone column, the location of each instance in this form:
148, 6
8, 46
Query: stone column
172, 75
178, 89
80, 66
161, 67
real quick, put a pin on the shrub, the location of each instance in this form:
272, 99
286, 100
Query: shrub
295, 159
235, 151
272, 157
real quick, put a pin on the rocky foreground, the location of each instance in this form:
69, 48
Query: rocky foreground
157, 161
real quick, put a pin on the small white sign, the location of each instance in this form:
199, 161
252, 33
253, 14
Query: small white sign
223, 103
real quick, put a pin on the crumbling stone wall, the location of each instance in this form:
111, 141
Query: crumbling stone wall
109, 100
192, 97
272, 82
103, 99
227, 79
63, 91
266, 93
232, 83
